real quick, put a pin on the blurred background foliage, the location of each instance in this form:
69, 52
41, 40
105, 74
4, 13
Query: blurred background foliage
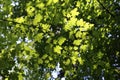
82, 35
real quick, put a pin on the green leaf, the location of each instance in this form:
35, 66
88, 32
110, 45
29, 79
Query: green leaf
100, 55
19, 20
57, 49
44, 56
78, 34
67, 62
38, 37
75, 53
74, 59
77, 42
74, 12
75, 48
20, 77
40, 61
84, 47
81, 61
80, 22
30, 10
61, 40
95, 66
45, 27
37, 19
70, 24
40, 5
55, 1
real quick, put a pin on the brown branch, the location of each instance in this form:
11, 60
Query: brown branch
105, 8
5, 20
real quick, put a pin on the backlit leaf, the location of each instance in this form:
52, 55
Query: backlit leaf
40, 61
78, 34
80, 22
37, 19
74, 12
81, 61
55, 1
83, 47
19, 20
74, 59
61, 40
77, 42
40, 5
44, 56
30, 10
38, 37
20, 77
57, 49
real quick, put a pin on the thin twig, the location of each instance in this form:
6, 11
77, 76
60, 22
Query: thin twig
105, 8
5, 20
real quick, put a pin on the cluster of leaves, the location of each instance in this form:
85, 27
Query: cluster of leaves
82, 35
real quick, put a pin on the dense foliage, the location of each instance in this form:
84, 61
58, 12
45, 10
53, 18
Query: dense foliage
82, 35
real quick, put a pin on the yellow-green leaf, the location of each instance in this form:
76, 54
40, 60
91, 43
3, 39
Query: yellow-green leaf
67, 62
78, 34
45, 27
20, 77
40, 5
95, 66
40, 61
80, 22
77, 42
100, 55
73, 58
38, 37
57, 49
55, 1
19, 20
74, 12
75, 48
81, 61
61, 40
83, 47
44, 56
30, 10
37, 19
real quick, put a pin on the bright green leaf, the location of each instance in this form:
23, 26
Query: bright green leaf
74, 12
40, 61
78, 34
77, 42
37, 19
57, 49
81, 60
38, 37
61, 40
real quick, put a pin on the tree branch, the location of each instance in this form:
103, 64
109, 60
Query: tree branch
5, 20
105, 8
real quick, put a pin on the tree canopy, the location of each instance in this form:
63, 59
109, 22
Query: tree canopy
82, 35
